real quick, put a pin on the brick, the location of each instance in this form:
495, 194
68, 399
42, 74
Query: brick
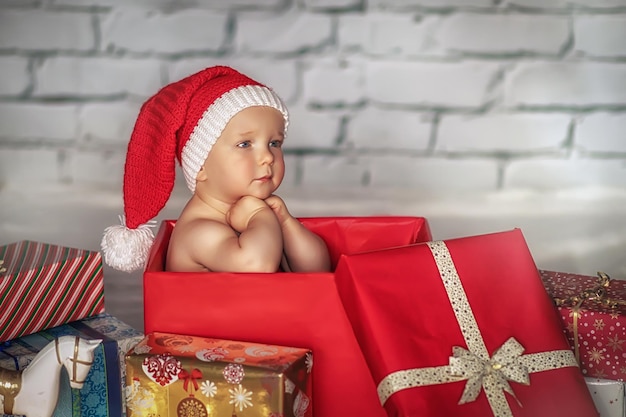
333, 85
388, 34
29, 166
504, 33
15, 78
567, 84
97, 168
352, 31
388, 129
549, 4
551, 174
147, 4
502, 132
89, 76
257, 32
109, 123
38, 121
20, 3
43, 30
183, 31
601, 36
238, 4
430, 3
281, 76
333, 171
434, 175
311, 129
458, 85
332, 5
601, 132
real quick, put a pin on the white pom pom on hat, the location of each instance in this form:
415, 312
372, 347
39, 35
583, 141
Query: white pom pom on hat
181, 122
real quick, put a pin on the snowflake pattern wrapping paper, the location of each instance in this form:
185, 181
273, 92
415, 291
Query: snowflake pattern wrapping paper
596, 329
462, 327
171, 375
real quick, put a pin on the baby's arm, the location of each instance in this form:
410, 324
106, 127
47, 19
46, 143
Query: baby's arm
260, 241
305, 251
216, 246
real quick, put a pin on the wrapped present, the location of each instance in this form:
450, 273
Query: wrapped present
102, 392
174, 375
608, 396
288, 309
593, 310
462, 327
44, 285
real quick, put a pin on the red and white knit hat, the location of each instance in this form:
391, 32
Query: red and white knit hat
182, 121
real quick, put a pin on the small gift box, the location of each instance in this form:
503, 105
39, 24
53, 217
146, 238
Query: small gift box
288, 309
593, 310
44, 285
175, 375
462, 327
608, 396
102, 391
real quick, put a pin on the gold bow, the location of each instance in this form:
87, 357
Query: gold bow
474, 364
597, 294
493, 373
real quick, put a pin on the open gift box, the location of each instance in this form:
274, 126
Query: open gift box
288, 309
462, 327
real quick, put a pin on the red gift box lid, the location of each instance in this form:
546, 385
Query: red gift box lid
425, 314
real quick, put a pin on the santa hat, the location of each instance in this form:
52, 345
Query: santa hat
181, 122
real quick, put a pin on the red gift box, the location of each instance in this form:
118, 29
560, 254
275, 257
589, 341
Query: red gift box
462, 327
289, 309
593, 310
44, 285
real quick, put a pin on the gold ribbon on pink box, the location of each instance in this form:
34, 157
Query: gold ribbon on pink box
492, 374
598, 295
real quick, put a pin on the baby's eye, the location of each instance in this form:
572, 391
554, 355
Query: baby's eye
276, 143
244, 144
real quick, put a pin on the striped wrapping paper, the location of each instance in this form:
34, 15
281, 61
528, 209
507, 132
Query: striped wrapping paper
44, 285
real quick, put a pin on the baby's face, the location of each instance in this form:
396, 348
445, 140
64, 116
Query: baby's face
247, 158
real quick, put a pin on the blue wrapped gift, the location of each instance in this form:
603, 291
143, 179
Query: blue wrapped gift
103, 391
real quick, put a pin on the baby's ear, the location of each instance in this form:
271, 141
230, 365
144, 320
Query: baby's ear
202, 176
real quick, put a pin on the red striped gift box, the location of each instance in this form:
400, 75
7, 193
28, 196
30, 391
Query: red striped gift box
44, 285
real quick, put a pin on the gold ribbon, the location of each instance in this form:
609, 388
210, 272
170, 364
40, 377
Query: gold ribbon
10, 386
597, 294
474, 364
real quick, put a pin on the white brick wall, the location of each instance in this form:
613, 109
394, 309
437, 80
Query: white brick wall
438, 98
373, 87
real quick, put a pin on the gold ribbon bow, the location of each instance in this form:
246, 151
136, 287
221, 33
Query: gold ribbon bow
474, 364
597, 294
494, 373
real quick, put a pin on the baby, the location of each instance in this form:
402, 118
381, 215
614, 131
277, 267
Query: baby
227, 131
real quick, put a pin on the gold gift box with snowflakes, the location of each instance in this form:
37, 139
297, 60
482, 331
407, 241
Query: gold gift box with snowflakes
593, 310
170, 375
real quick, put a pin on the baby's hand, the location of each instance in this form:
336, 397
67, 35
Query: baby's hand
243, 211
278, 206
